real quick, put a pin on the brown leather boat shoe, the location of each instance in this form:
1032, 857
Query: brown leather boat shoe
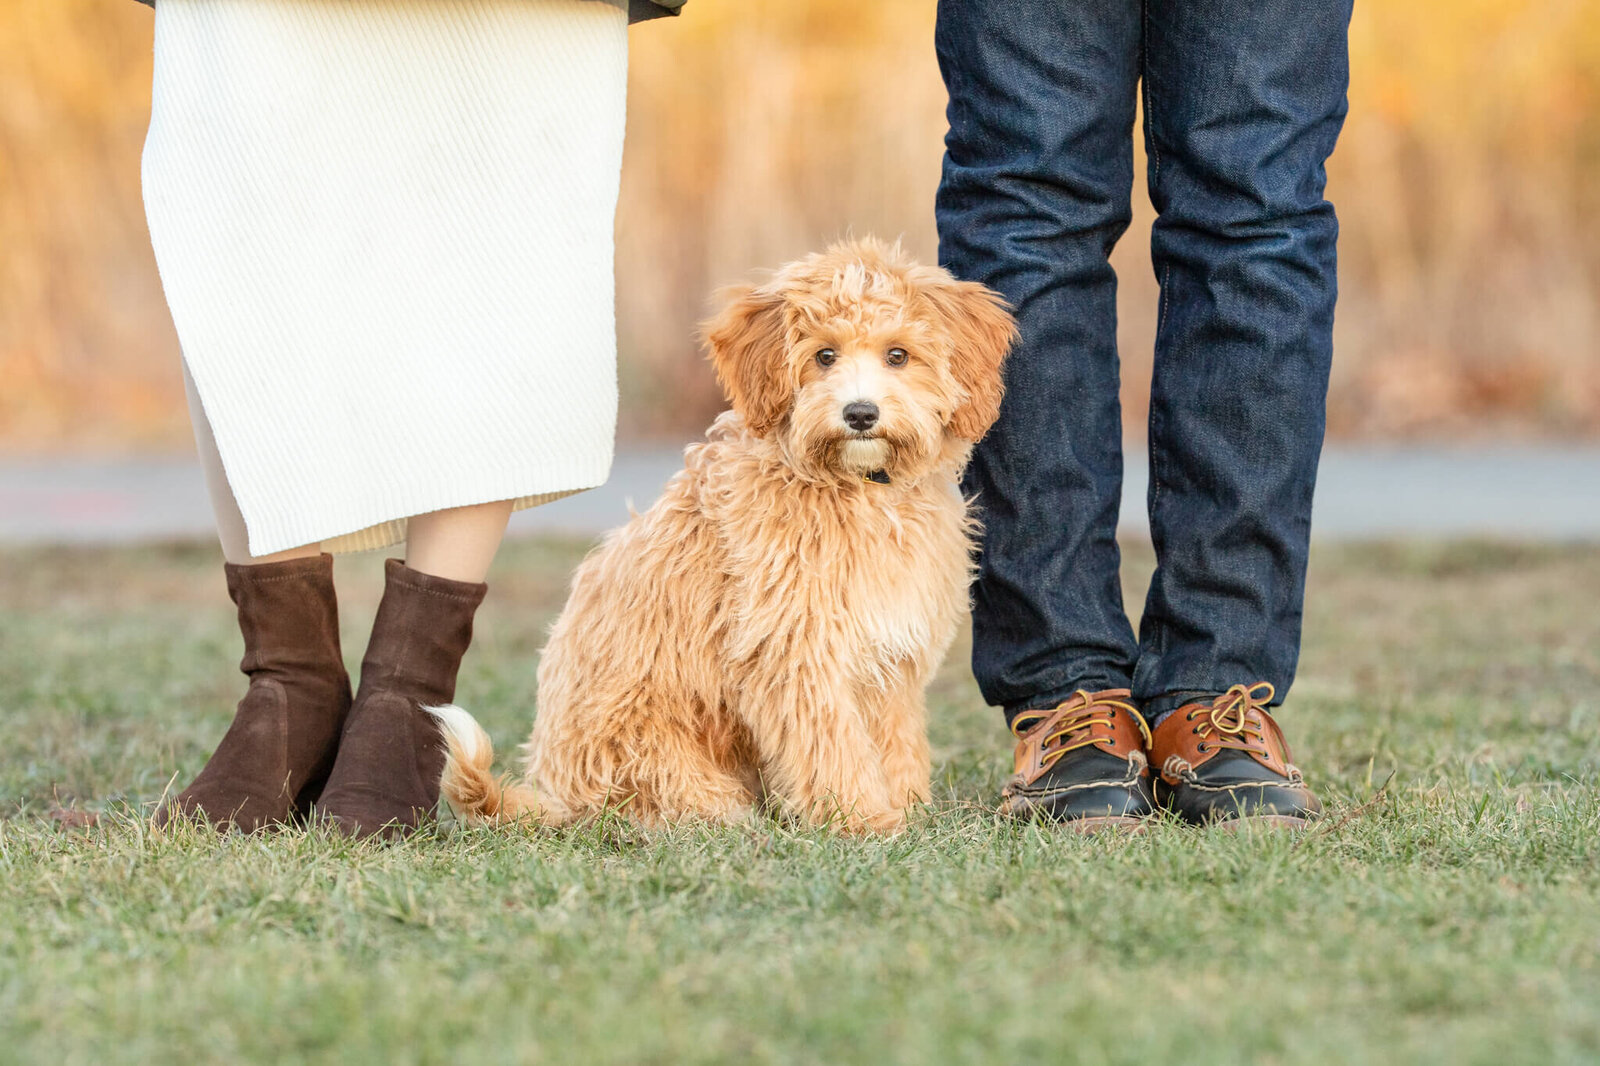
1082, 763
1225, 760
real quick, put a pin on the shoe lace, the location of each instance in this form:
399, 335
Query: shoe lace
1072, 731
1234, 719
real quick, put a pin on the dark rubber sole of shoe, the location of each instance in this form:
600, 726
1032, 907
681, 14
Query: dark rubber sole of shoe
1092, 823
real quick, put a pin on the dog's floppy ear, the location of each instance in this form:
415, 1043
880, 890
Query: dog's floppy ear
747, 343
981, 332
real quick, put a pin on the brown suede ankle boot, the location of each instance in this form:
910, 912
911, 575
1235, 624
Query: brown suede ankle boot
277, 754
386, 779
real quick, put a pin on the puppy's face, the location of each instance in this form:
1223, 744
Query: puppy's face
858, 360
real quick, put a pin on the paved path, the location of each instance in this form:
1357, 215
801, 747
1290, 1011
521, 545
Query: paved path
1545, 493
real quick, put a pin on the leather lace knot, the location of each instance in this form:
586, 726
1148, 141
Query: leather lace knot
1235, 718
1075, 729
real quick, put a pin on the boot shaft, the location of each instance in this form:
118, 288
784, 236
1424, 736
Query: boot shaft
288, 616
422, 629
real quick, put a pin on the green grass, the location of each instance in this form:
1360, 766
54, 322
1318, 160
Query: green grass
1454, 919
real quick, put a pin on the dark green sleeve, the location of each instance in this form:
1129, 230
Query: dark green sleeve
640, 10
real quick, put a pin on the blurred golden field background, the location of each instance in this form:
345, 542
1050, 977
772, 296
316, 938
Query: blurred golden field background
1467, 182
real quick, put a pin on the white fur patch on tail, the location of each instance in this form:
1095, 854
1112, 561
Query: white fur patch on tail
462, 730
467, 782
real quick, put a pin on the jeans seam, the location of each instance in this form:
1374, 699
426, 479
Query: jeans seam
1166, 270
1152, 139
1144, 82
1156, 449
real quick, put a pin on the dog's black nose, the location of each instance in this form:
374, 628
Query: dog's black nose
860, 415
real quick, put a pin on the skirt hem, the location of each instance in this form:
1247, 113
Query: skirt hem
387, 534
391, 532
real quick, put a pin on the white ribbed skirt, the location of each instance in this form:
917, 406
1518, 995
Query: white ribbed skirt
384, 228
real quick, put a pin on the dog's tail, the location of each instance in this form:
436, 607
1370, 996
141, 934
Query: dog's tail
475, 795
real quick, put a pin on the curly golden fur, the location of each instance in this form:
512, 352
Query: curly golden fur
764, 633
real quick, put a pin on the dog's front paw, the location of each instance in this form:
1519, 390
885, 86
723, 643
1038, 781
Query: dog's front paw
886, 822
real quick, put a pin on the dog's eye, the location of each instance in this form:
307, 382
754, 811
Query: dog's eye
896, 357
826, 357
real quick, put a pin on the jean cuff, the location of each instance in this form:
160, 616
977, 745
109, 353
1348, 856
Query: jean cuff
1050, 698
1158, 706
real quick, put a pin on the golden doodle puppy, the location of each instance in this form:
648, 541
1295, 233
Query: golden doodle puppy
764, 633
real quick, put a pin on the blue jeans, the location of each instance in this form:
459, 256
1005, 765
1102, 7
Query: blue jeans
1243, 102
